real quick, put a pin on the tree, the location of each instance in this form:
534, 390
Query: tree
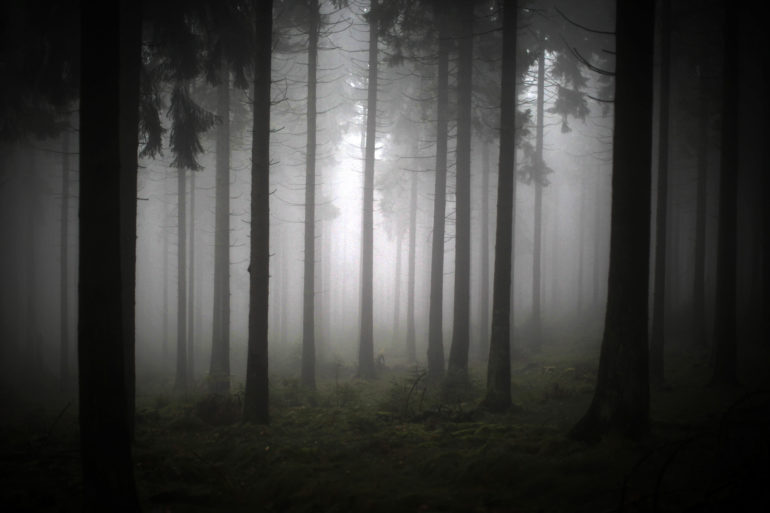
657, 340
366, 342
108, 141
621, 398
64, 348
410, 328
498, 394
256, 397
308, 323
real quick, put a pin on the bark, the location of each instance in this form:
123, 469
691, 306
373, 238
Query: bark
165, 272
256, 396
699, 329
366, 344
484, 255
64, 347
410, 330
498, 395
657, 341
307, 376
397, 295
181, 284
191, 288
108, 130
458, 353
725, 325
538, 229
435, 315
219, 369
621, 399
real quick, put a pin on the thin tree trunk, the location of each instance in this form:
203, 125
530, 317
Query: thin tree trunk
64, 351
435, 316
108, 129
538, 230
191, 288
219, 369
699, 329
484, 255
165, 271
181, 284
498, 395
366, 344
657, 341
308, 324
458, 353
410, 330
621, 399
397, 295
725, 329
256, 396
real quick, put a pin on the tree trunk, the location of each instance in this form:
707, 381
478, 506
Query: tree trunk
219, 370
657, 341
108, 130
538, 183
498, 396
64, 328
410, 331
435, 316
181, 284
366, 344
484, 255
165, 272
621, 400
308, 323
458, 353
256, 396
699, 329
191, 288
397, 295
725, 325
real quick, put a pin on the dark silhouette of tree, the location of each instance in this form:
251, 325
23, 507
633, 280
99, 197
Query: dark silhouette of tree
498, 394
410, 327
725, 318
621, 399
110, 54
64, 327
658, 335
256, 397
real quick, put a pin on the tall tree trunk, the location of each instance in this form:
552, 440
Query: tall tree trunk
108, 141
598, 236
538, 182
458, 352
484, 255
366, 344
498, 396
397, 295
219, 369
191, 288
410, 330
657, 341
621, 399
581, 249
165, 271
725, 326
435, 316
181, 284
308, 322
256, 396
64, 325
699, 329
32, 344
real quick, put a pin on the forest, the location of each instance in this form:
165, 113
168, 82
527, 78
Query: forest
485, 256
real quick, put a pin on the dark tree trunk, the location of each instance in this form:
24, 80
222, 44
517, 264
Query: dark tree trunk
181, 285
410, 330
458, 353
725, 325
366, 344
537, 242
699, 330
219, 369
64, 325
657, 341
435, 316
191, 288
621, 400
498, 396
484, 254
165, 272
308, 322
108, 130
32, 347
256, 396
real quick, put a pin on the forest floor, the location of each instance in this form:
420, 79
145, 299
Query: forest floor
393, 445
